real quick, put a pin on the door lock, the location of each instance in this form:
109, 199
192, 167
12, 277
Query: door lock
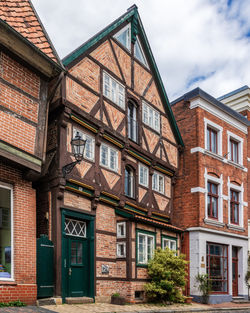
70, 271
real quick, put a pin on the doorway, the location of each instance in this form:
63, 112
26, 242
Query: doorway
235, 271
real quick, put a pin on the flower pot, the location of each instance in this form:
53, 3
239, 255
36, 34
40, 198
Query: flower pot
117, 300
188, 300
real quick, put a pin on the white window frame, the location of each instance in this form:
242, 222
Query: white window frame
86, 136
219, 130
239, 189
146, 257
118, 225
219, 183
118, 244
116, 91
158, 184
145, 108
128, 47
10, 187
240, 142
109, 149
169, 241
143, 54
145, 175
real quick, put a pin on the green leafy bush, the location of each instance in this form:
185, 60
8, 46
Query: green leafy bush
168, 273
16, 303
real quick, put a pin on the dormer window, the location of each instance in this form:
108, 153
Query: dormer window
138, 52
124, 36
113, 90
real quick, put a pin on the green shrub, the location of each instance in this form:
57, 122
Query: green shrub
204, 286
168, 273
16, 303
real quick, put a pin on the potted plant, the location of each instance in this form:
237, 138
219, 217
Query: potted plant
204, 286
116, 298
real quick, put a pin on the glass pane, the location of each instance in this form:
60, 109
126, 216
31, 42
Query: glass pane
5, 233
73, 252
172, 245
138, 53
214, 207
142, 249
79, 253
208, 140
161, 184
150, 248
213, 141
104, 155
112, 159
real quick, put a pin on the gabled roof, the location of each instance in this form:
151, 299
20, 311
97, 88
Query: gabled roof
197, 92
133, 17
21, 15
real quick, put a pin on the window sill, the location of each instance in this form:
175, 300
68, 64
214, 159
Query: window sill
236, 165
142, 265
235, 227
214, 155
213, 222
7, 282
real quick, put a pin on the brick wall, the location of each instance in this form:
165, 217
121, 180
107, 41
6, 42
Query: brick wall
24, 228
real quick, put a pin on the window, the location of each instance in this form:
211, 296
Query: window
234, 207
129, 181
109, 157
213, 137
113, 90
212, 200
151, 117
139, 55
89, 151
158, 182
212, 140
168, 242
235, 148
145, 247
132, 122
121, 229
6, 233
143, 175
121, 249
217, 267
234, 151
124, 37
75, 228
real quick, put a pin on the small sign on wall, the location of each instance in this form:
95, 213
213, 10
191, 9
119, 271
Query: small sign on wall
105, 269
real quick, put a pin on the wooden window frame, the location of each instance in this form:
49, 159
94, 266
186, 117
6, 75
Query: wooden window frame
208, 267
211, 130
145, 170
234, 143
212, 195
233, 204
116, 90
109, 157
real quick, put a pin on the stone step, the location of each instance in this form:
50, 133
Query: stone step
240, 300
78, 300
49, 301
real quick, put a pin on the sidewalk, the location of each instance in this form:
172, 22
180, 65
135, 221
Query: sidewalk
136, 308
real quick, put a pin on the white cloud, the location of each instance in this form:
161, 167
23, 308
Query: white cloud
189, 39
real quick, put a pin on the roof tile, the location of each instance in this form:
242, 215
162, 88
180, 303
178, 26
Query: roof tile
20, 15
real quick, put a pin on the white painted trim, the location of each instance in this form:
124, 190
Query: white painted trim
218, 129
240, 189
219, 232
117, 230
240, 141
248, 159
10, 187
198, 189
218, 157
197, 149
245, 203
209, 221
221, 114
235, 227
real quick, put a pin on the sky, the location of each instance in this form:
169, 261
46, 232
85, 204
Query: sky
196, 43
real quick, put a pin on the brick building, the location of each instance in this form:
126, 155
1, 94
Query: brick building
211, 193
239, 100
27, 63
115, 207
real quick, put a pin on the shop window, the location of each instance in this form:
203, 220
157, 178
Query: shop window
6, 233
217, 267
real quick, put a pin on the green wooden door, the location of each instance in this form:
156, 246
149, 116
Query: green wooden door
77, 254
77, 267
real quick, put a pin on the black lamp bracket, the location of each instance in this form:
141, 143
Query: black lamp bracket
69, 167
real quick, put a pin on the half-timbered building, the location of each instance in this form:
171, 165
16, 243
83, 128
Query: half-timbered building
28, 64
114, 208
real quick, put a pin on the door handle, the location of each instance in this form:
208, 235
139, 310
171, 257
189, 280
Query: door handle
70, 271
